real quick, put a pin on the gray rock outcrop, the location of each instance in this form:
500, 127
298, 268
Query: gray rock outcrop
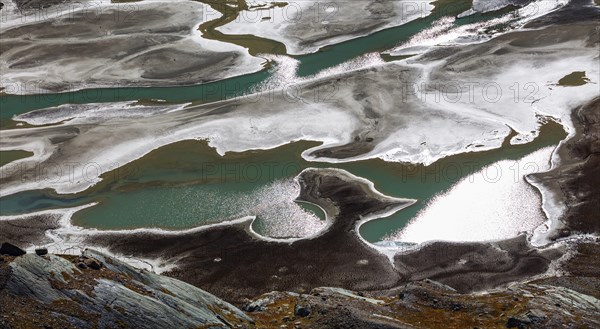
106, 294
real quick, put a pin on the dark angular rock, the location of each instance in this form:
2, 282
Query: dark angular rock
93, 263
531, 317
41, 251
81, 265
516, 322
253, 307
302, 311
536, 316
11, 250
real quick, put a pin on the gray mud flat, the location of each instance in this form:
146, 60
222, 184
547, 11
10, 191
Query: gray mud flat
28, 231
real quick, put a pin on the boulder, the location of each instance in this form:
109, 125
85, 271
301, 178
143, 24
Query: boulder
518, 322
254, 307
92, 263
41, 251
531, 317
302, 311
11, 250
260, 304
536, 316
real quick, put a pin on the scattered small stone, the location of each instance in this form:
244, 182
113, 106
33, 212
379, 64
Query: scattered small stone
11, 250
217, 260
302, 311
363, 262
41, 251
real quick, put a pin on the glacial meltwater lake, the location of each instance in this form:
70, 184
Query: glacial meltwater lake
187, 184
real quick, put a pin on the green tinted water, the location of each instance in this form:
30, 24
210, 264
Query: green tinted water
187, 184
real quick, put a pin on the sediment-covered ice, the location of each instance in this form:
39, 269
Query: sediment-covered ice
305, 26
484, 6
94, 112
21, 12
506, 81
362, 107
116, 45
445, 32
449, 100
